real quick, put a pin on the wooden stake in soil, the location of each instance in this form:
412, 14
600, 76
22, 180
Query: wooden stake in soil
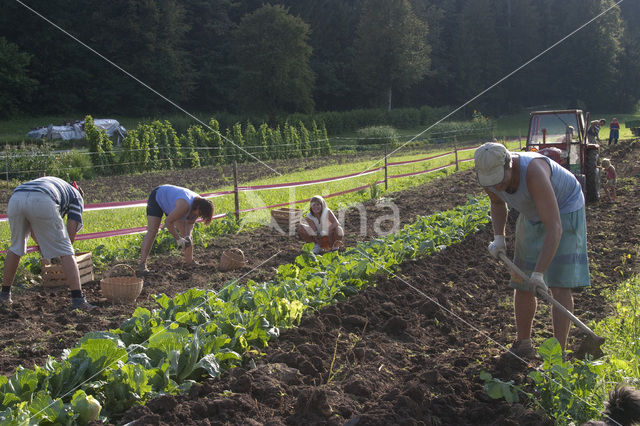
455, 151
386, 185
235, 190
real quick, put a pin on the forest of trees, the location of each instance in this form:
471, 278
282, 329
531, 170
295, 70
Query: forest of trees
286, 56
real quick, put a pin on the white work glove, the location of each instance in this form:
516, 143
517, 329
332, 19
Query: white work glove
188, 242
181, 242
537, 283
497, 246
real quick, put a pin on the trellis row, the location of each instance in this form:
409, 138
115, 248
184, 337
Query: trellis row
140, 203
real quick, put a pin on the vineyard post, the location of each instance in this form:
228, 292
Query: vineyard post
455, 151
386, 184
235, 190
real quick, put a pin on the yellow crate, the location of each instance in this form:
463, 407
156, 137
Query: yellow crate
53, 275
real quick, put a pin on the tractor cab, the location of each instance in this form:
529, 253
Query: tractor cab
562, 136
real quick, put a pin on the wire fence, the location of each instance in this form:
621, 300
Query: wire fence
76, 164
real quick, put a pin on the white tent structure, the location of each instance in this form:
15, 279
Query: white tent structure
76, 130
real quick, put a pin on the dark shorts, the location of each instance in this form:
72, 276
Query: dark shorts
153, 208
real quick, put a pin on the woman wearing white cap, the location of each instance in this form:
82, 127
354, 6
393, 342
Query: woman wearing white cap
551, 233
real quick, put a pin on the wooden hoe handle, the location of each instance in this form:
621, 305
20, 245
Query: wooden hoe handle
546, 296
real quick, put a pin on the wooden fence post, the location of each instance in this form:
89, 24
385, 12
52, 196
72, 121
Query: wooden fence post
235, 190
455, 151
386, 183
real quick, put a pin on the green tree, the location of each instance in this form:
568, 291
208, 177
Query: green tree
519, 27
145, 38
333, 24
391, 46
272, 54
583, 70
209, 51
16, 86
627, 91
477, 62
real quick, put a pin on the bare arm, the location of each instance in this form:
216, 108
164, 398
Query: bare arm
333, 220
539, 184
311, 224
72, 229
499, 213
178, 213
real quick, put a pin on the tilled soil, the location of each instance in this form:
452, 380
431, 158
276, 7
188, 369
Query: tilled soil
406, 351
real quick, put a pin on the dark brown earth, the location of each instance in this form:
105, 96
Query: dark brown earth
407, 351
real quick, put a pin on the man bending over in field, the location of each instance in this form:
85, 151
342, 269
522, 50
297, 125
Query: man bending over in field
182, 208
38, 207
551, 233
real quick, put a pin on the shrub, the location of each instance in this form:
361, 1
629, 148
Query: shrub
72, 165
378, 135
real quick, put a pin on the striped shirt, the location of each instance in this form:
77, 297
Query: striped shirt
62, 193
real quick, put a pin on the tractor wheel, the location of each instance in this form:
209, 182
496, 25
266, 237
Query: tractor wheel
581, 181
592, 177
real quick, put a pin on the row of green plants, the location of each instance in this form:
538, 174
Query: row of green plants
157, 146
26, 162
201, 333
574, 392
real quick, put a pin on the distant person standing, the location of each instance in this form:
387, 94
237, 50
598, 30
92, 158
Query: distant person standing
38, 208
182, 207
593, 133
614, 131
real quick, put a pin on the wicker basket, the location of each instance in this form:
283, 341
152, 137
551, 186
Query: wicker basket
121, 289
232, 259
285, 218
53, 274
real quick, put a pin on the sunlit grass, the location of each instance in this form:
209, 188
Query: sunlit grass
102, 220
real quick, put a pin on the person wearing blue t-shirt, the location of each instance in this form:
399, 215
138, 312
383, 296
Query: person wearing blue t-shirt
551, 232
182, 207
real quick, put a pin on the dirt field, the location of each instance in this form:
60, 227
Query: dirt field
389, 355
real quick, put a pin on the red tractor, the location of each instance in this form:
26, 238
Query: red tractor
562, 136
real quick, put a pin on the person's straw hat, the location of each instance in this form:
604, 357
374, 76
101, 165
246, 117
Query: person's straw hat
491, 159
